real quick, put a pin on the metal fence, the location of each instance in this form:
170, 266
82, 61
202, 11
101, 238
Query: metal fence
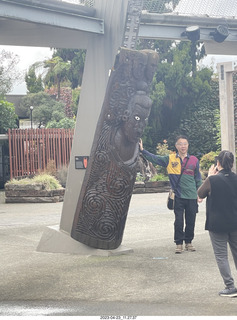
31, 150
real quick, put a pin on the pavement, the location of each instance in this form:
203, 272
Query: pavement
150, 281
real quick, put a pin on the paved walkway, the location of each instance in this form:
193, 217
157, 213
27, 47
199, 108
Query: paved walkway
151, 281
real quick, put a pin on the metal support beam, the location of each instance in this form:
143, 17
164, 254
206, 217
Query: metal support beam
34, 22
179, 20
171, 27
165, 32
51, 16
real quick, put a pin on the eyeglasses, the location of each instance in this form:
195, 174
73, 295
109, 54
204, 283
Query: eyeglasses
182, 144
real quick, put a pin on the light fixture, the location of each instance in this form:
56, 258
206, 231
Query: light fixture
220, 33
31, 119
192, 33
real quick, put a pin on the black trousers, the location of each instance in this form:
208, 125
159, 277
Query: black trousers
184, 208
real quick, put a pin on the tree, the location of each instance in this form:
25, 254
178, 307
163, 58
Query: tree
65, 98
153, 129
66, 65
45, 107
183, 88
46, 111
8, 71
65, 123
8, 116
34, 84
76, 58
200, 124
62, 76
57, 72
75, 99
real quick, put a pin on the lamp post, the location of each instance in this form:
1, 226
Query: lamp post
31, 122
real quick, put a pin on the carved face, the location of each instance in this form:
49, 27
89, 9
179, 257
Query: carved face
139, 66
151, 66
137, 120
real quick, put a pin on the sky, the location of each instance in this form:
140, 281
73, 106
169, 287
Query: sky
27, 56
30, 55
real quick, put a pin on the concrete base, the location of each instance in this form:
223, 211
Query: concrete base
55, 240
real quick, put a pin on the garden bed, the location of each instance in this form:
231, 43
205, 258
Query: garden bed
40, 188
17, 193
151, 187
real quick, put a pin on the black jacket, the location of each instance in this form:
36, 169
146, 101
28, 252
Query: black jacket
221, 204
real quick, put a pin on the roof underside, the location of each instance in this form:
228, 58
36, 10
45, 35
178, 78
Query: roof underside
211, 8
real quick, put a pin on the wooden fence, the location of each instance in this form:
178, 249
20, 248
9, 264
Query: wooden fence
30, 150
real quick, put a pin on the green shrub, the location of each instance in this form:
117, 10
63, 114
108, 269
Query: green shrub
159, 177
8, 116
207, 160
50, 182
162, 149
139, 177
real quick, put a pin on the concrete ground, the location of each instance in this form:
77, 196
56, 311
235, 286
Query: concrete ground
151, 281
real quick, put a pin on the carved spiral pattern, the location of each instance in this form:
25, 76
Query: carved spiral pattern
101, 157
118, 187
106, 227
94, 203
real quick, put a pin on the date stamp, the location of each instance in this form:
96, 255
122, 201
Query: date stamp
118, 317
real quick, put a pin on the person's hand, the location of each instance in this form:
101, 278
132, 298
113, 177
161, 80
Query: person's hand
140, 145
199, 200
212, 170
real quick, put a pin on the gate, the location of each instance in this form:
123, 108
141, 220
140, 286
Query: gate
30, 150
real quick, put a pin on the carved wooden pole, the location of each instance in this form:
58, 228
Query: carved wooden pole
107, 188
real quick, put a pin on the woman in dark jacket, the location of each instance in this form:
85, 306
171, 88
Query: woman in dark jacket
220, 188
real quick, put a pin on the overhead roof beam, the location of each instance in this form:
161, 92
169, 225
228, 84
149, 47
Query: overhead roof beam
163, 32
52, 12
181, 20
171, 27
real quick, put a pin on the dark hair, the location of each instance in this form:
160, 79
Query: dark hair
226, 159
181, 137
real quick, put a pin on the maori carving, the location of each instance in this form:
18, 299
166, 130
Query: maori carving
107, 188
